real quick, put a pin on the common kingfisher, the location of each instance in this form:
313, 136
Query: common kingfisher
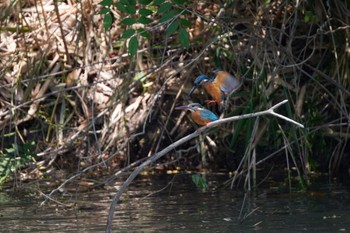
219, 86
199, 114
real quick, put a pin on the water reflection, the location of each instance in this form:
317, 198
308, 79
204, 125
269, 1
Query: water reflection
181, 208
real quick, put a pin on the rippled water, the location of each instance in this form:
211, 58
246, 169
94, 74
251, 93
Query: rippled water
181, 208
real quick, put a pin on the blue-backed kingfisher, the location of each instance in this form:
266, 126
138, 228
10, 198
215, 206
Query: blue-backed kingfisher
219, 86
199, 114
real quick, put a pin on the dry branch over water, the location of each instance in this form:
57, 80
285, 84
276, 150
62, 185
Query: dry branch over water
173, 146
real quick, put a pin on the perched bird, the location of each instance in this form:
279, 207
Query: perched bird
219, 86
199, 114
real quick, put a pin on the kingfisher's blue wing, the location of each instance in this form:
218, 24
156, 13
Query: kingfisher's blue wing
209, 115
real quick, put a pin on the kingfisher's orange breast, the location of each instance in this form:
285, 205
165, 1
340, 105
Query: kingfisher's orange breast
214, 91
196, 117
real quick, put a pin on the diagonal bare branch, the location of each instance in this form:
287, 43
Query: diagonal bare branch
181, 141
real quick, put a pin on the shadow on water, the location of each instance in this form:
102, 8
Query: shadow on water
181, 208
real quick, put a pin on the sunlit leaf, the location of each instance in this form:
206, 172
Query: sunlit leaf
128, 21
133, 45
164, 7
168, 15
172, 27
184, 37
106, 2
140, 75
107, 21
145, 12
10, 150
145, 20
128, 33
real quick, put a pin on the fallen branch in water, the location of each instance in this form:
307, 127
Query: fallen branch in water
181, 141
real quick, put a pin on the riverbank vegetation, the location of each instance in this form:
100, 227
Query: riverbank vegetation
88, 88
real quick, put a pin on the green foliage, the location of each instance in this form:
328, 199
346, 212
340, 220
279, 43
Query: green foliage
145, 2
309, 17
128, 21
200, 181
148, 12
184, 37
164, 7
15, 158
106, 2
107, 21
133, 44
145, 12
174, 26
143, 33
128, 33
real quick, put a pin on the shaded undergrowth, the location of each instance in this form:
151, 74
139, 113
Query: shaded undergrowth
71, 87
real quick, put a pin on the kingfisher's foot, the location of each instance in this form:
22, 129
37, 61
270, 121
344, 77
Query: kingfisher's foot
211, 101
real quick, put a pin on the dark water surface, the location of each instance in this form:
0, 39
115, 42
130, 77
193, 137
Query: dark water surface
181, 208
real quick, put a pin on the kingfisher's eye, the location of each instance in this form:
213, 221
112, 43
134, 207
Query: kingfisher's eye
204, 81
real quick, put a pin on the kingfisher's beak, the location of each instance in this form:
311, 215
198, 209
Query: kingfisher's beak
182, 108
193, 89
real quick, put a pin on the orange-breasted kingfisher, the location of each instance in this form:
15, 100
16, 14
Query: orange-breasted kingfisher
199, 114
219, 86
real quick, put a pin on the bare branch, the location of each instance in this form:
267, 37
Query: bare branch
181, 141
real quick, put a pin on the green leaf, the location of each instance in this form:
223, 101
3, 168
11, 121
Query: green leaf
121, 7
131, 9
128, 2
309, 17
145, 12
107, 21
128, 21
172, 27
158, 2
128, 33
179, 2
106, 3
104, 11
179, 11
164, 7
145, 20
170, 14
200, 181
10, 149
133, 45
144, 33
185, 22
184, 37
145, 2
